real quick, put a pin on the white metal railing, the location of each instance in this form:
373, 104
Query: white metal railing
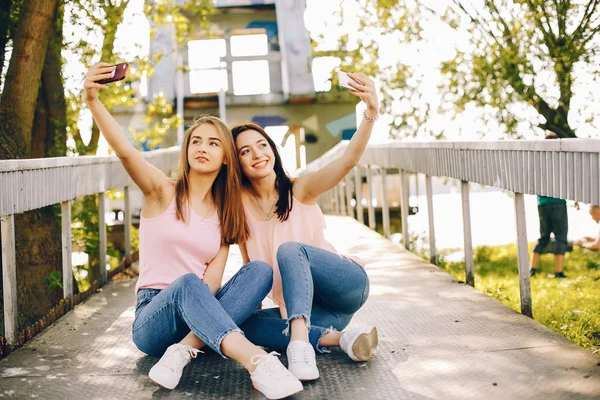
567, 169
34, 183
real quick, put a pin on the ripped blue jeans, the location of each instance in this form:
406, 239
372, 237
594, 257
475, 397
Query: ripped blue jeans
164, 317
325, 288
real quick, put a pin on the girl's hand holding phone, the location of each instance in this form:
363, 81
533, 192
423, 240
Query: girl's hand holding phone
99, 75
364, 88
96, 72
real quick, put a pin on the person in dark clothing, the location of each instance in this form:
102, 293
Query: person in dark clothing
553, 219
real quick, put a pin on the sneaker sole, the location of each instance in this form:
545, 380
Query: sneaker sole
365, 344
307, 377
279, 395
157, 380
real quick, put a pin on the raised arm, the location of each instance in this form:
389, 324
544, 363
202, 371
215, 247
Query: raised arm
308, 187
149, 179
213, 276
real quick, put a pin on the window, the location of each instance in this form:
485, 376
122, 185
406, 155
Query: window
210, 64
208, 80
208, 74
249, 45
251, 77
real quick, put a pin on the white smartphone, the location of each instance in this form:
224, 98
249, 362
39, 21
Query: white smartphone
343, 79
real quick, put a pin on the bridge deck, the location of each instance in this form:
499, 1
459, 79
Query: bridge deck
438, 340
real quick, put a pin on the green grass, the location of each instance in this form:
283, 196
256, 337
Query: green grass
568, 306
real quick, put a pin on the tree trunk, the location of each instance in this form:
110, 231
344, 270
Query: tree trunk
5, 6
556, 121
18, 101
49, 136
38, 248
37, 233
39, 253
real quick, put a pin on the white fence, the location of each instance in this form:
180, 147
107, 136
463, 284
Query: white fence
567, 169
34, 183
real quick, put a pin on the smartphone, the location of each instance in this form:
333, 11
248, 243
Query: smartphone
118, 74
343, 79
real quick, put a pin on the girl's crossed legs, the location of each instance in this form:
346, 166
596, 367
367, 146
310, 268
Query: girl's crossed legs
171, 323
322, 291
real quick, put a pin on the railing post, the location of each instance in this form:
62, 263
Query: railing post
342, 197
466, 211
404, 196
9, 278
385, 210
522, 256
370, 208
67, 252
330, 203
127, 225
336, 200
102, 238
348, 187
432, 249
358, 191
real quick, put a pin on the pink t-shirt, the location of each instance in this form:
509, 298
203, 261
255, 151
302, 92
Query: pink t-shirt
305, 224
170, 248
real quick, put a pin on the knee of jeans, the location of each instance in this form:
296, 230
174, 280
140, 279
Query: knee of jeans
262, 270
189, 279
366, 291
287, 249
357, 296
142, 344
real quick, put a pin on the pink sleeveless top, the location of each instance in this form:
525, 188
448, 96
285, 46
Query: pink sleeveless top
305, 225
170, 248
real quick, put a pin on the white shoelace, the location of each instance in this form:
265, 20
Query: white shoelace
257, 358
184, 354
271, 364
304, 357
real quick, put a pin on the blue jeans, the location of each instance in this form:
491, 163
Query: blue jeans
325, 288
164, 317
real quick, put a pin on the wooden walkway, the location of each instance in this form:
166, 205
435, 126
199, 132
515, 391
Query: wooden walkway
438, 340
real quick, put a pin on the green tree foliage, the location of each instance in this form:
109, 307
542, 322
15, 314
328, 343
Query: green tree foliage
360, 51
524, 52
520, 67
103, 19
38, 115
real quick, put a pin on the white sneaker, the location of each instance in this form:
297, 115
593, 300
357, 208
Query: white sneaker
359, 343
302, 361
167, 371
272, 379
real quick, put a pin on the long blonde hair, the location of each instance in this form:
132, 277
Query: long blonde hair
226, 189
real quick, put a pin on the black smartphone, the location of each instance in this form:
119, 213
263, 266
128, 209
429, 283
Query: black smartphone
119, 74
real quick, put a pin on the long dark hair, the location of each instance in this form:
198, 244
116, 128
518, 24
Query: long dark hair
283, 183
